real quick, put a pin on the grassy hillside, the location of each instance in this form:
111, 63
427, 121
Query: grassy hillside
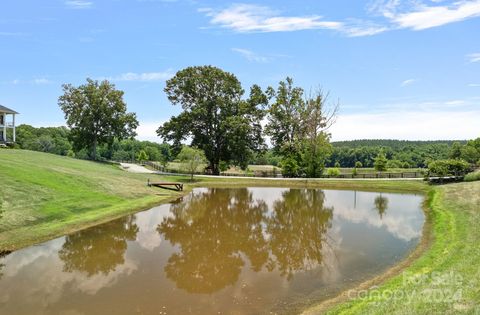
45, 195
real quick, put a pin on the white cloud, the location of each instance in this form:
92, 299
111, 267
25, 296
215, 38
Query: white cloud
79, 4
41, 81
250, 55
423, 16
474, 57
474, 85
147, 131
256, 18
146, 76
408, 125
408, 82
415, 15
248, 18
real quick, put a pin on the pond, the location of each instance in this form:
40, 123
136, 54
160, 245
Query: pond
217, 251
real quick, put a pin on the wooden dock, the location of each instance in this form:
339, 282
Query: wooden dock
165, 185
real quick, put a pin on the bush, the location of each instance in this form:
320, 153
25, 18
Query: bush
448, 167
223, 166
471, 177
290, 167
395, 164
333, 172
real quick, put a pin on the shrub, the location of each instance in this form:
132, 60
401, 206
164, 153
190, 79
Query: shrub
395, 164
471, 177
223, 166
448, 167
358, 164
333, 172
290, 167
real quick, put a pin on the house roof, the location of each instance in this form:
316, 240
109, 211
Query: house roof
7, 110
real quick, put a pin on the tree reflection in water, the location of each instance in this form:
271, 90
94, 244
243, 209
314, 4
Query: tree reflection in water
213, 229
3, 254
217, 229
297, 229
98, 249
381, 205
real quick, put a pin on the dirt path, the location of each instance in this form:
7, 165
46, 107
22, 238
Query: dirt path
134, 168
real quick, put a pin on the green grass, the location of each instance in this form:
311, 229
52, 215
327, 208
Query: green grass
473, 176
453, 251
44, 196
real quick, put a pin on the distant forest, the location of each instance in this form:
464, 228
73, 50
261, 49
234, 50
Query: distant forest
400, 153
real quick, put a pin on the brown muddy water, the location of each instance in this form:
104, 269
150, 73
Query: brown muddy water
217, 251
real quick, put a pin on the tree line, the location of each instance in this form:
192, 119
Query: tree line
399, 153
227, 126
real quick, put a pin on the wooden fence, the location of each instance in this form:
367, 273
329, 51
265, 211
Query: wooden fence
276, 174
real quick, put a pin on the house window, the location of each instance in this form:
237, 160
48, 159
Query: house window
2, 119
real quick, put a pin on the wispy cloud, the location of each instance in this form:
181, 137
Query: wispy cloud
11, 34
424, 16
256, 18
249, 18
79, 4
474, 85
414, 15
474, 57
41, 81
408, 82
250, 55
146, 76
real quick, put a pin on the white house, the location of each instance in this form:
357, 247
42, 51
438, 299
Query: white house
7, 121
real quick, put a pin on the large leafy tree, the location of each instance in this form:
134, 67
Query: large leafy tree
215, 116
96, 114
284, 117
298, 126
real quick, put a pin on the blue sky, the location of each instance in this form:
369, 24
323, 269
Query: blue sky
401, 69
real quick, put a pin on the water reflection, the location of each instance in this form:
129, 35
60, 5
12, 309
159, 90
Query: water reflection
99, 249
229, 251
297, 230
218, 229
2, 265
381, 205
213, 228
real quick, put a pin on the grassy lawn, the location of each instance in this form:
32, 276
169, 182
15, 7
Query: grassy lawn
44, 196
445, 279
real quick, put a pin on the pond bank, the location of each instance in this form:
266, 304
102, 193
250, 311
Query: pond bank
444, 279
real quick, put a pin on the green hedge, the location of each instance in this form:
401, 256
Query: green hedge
448, 167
